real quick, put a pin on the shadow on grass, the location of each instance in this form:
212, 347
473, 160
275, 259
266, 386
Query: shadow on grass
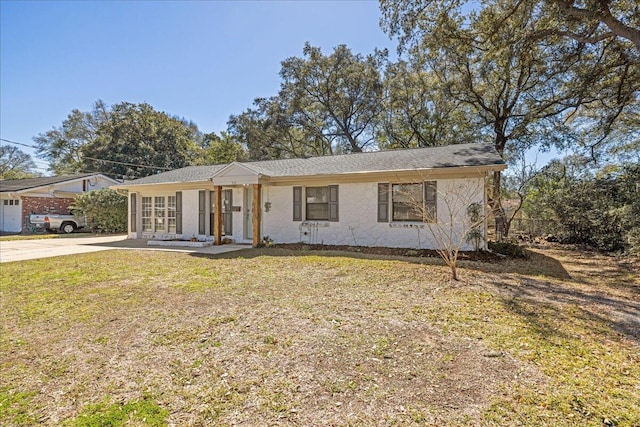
543, 296
593, 307
524, 283
537, 264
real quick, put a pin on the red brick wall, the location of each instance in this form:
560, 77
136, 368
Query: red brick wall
43, 205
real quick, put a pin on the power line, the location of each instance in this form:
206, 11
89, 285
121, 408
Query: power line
93, 158
18, 143
127, 164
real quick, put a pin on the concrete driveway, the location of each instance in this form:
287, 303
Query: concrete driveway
20, 250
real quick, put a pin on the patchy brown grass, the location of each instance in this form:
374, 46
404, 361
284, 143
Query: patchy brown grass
281, 337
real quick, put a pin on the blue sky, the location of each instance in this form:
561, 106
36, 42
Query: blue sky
202, 60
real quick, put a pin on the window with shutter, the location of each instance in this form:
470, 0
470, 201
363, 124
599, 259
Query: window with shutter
134, 213
333, 203
411, 202
201, 211
297, 203
178, 212
407, 202
431, 201
383, 202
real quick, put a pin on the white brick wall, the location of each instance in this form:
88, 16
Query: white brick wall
358, 224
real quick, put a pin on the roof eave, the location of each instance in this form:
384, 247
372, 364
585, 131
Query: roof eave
66, 181
449, 170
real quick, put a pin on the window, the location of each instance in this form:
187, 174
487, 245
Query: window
12, 202
318, 203
409, 202
321, 203
171, 214
159, 213
147, 213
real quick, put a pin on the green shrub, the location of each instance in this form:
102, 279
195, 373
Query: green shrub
105, 210
509, 249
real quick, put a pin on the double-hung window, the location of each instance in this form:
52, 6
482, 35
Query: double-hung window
407, 202
319, 203
317, 207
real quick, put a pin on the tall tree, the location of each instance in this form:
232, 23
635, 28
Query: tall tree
137, 141
327, 104
337, 96
268, 131
126, 139
417, 114
595, 21
62, 146
525, 90
219, 149
15, 164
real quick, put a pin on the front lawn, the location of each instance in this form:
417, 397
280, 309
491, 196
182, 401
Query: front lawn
280, 337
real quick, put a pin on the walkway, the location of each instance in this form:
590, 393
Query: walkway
20, 250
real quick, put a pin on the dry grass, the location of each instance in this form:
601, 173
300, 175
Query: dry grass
276, 337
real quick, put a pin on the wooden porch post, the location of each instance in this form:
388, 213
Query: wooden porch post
217, 217
257, 214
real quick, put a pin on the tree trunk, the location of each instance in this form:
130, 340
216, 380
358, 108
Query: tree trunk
495, 201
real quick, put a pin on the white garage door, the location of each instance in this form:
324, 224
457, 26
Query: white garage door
10, 213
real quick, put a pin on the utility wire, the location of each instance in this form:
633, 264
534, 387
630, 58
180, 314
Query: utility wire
18, 143
126, 164
93, 158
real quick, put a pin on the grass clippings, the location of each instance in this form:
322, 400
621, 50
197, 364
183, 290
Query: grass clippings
281, 337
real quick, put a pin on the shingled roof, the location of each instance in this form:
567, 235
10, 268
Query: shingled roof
188, 174
448, 156
11, 185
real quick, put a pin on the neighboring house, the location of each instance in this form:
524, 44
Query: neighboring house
50, 194
353, 199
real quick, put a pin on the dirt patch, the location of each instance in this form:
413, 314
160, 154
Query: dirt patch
483, 256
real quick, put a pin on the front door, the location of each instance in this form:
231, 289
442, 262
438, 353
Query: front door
227, 212
248, 213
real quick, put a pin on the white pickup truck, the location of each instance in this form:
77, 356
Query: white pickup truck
55, 222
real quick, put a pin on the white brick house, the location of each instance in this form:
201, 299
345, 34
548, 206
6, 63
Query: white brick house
353, 199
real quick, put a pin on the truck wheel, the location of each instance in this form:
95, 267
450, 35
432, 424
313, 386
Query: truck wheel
67, 227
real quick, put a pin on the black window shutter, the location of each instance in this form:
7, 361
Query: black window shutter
134, 213
333, 203
201, 211
297, 203
431, 200
383, 202
178, 212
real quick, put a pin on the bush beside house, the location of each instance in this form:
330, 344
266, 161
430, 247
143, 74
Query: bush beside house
105, 210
